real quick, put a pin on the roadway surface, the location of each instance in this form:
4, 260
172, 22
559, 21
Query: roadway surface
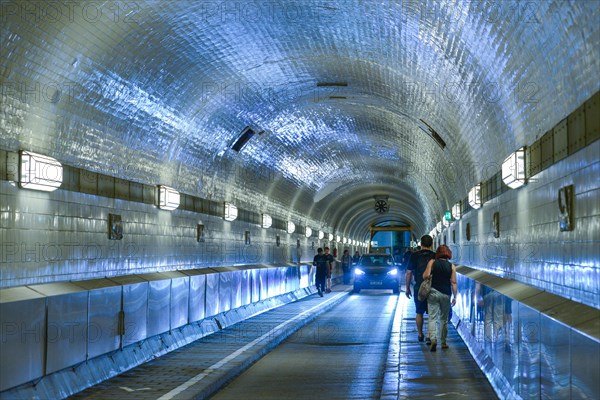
340, 355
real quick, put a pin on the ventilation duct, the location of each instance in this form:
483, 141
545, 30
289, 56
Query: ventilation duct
242, 140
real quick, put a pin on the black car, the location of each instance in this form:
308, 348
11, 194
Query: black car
376, 271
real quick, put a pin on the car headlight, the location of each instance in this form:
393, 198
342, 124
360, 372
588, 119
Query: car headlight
358, 271
393, 272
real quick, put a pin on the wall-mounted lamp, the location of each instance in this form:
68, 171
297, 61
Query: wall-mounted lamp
456, 211
231, 212
344, 240
445, 222
338, 238
267, 221
291, 227
513, 169
321, 235
475, 196
308, 232
39, 172
438, 226
330, 237
168, 198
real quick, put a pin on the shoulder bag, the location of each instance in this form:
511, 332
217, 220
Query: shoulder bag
425, 288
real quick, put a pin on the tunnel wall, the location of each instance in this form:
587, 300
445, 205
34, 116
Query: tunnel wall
102, 327
531, 248
524, 352
63, 235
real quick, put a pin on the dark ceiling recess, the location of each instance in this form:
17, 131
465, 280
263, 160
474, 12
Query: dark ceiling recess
431, 132
244, 137
332, 84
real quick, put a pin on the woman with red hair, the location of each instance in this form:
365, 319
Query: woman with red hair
443, 285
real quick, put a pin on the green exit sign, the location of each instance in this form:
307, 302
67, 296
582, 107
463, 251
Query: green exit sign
448, 216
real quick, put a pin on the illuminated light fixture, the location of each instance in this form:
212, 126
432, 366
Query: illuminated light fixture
168, 198
345, 240
438, 227
39, 172
338, 238
456, 211
330, 237
513, 169
445, 222
267, 221
231, 212
475, 196
291, 227
308, 232
321, 235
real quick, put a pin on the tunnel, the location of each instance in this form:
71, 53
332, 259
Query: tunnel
170, 168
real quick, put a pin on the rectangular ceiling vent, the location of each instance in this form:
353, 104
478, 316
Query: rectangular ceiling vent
332, 84
243, 139
431, 132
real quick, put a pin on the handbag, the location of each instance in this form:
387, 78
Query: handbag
425, 288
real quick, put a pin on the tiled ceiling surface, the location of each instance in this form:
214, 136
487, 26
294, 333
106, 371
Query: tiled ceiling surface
155, 91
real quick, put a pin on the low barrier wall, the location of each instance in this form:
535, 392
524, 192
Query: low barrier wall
49, 328
531, 344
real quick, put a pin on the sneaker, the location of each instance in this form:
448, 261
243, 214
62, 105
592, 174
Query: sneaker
320, 293
444, 346
328, 291
428, 341
421, 338
433, 345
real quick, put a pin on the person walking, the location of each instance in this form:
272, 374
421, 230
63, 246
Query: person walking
331, 265
320, 262
443, 285
346, 262
416, 266
355, 258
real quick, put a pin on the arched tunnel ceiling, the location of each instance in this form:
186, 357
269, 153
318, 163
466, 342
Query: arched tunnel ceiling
155, 91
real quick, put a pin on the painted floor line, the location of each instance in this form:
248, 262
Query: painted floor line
219, 364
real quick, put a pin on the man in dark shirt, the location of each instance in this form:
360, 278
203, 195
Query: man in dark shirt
321, 262
416, 266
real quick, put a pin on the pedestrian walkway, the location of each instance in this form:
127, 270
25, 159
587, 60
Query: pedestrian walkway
412, 371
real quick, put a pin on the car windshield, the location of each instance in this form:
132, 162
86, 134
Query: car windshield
379, 260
